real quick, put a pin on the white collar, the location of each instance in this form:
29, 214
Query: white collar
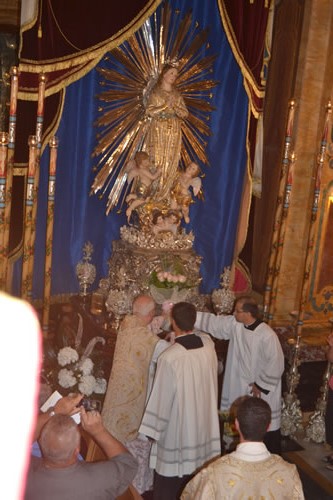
251, 451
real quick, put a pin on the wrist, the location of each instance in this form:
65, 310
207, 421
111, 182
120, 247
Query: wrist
98, 432
51, 411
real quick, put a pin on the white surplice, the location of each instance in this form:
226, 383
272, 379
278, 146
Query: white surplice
253, 357
181, 415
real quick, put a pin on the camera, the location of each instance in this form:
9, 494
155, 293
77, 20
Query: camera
90, 404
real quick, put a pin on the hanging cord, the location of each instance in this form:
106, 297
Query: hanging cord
40, 31
59, 29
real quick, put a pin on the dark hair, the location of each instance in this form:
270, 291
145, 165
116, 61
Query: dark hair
140, 156
164, 70
249, 305
254, 416
184, 314
156, 215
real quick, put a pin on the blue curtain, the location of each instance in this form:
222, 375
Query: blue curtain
80, 217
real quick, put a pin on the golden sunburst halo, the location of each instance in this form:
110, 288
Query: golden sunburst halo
128, 74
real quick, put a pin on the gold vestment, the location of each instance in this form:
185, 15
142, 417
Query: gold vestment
127, 389
230, 478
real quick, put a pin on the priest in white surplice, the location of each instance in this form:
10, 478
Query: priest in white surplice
181, 415
255, 360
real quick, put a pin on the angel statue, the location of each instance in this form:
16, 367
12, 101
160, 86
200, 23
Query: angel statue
155, 100
181, 196
139, 171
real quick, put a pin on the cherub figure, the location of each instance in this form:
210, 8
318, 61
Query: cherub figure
181, 196
139, 170
158, 222
172, 221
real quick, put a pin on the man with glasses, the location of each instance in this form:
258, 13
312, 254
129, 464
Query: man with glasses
255, 360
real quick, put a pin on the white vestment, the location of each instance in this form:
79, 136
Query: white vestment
253, 357
249, 472
181, 415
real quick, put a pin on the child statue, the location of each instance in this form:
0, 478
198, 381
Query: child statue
139, 170
181, 196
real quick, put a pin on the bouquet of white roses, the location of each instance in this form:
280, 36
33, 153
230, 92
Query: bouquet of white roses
78, 373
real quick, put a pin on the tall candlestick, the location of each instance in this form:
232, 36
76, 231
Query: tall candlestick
313, 222
49, 234
276, 236
3, 174
14, 72
39, 133
28, 245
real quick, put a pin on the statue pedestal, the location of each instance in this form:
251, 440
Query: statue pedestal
132, 268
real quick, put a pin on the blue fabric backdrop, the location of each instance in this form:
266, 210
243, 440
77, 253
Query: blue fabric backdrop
80, 217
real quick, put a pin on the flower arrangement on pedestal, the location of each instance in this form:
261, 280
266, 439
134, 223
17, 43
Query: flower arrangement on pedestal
169, 282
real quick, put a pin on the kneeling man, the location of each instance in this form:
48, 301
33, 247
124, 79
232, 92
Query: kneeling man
250, 471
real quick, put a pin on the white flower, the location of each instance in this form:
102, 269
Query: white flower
87, 385
66, 378
86, 366
100, 386
67, 355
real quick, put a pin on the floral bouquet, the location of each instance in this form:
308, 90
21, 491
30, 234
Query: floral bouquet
169, 282
78, 373
73, 368
165, 279
170, 274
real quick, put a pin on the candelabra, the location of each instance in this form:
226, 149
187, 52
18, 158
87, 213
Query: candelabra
85, 271
291, 413
315, 429
223, 298
118, 303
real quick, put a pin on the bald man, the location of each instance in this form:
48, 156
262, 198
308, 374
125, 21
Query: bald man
60, 475
133, 368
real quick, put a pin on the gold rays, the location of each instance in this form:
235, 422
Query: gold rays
129, 73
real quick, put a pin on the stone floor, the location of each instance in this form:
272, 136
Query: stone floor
316, 478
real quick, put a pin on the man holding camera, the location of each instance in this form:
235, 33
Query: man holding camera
59, 474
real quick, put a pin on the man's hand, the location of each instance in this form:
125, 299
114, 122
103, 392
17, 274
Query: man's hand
68, 404
256, 393
91, 422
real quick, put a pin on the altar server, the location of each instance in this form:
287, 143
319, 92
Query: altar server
255, 360
181, 415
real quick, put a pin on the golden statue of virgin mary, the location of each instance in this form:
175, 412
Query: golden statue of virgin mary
166, 110
156, 99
